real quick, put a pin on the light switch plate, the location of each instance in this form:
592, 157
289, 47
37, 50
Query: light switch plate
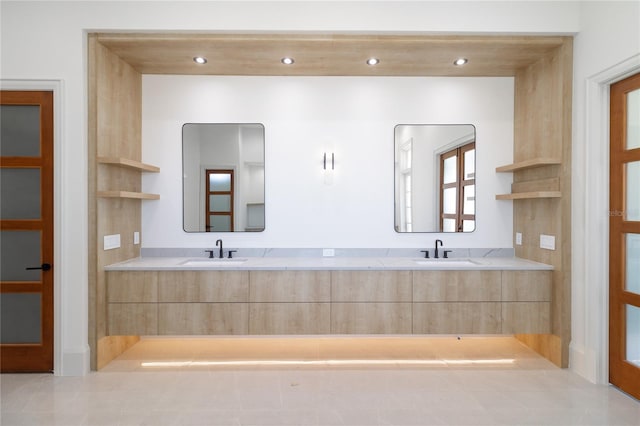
519, 238
328, 252
111, 242
547, 242
136, 237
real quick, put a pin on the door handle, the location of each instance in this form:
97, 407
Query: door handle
44, 267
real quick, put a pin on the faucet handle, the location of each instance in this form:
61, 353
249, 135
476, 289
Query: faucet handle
426, 253
446, 253
210, 253
231, 253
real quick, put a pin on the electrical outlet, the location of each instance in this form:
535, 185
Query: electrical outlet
519, 238
328, 252
136, 237
547, 242
111, 242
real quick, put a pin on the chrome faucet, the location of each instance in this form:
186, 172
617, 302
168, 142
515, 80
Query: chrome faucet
219, 243
436, 251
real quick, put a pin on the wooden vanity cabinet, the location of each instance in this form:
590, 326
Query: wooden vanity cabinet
481, 302
177, 302
203, 302
289, 302
457, 302
328, 302
371, 302
526, 302
132, 303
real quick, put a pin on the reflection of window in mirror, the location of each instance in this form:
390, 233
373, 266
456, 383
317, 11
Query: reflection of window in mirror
457, 189
405, 182
219, 205
418, 175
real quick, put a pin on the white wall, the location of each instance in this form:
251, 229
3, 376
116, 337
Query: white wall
354, 117
47, 41
606, 49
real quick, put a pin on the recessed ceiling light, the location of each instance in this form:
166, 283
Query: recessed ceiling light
373, 61
200, 60
460, 61
287, 60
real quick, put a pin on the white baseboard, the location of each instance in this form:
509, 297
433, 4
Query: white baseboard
584, 363
75, 363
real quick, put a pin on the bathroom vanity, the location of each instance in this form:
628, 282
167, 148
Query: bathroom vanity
320, 296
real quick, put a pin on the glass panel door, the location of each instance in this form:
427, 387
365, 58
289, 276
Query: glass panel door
26, 231
624, 234
219, 196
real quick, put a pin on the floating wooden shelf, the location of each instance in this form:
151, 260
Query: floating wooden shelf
128, 194
528, 164
130, 164
529, 195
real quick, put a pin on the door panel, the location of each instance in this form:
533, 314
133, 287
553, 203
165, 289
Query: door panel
632, 281
219, 205
624, 234
21, 318
20, 190
26, 231
20, 123
632, 197
633, 335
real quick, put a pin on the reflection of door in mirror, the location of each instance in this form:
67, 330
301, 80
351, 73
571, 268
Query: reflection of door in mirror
219, 196
457, 189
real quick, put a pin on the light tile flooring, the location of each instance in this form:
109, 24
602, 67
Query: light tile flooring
320, 381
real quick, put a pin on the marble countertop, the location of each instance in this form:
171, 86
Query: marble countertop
324, 263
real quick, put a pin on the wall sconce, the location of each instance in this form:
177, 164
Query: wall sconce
328, 165
324, 161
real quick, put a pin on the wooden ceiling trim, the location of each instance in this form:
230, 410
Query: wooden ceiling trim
327, 54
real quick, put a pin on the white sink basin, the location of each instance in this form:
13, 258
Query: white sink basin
206, 262
450, 263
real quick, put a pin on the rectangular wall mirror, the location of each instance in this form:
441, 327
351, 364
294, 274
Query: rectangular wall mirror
223, 177
435, 178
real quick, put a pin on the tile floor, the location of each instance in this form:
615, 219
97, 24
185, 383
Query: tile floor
320, 381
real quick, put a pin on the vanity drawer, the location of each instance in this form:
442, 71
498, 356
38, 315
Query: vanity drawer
371, 318
289, 286
526, 286
289, 318
132, 319
457, 286
457, 318
371, 286
203, 286
132, 286
202, 318
526, 317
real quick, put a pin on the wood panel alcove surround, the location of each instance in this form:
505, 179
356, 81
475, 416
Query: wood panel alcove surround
541, 66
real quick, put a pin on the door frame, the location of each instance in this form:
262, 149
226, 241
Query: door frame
60, 272
591, 360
